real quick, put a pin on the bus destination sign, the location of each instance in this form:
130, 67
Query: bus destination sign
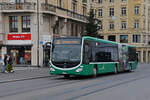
67, 41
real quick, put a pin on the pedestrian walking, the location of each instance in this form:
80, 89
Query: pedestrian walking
1, 64
5, 63
9, 67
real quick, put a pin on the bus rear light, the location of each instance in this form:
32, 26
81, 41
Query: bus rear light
52, 69
79, 70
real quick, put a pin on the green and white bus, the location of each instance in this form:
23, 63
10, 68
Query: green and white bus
90, 56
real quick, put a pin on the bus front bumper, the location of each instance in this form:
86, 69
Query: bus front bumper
81, 70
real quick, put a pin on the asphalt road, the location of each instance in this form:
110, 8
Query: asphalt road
122, 86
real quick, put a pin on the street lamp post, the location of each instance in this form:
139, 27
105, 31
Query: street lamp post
38, 33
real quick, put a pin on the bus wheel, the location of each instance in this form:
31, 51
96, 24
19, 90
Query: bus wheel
66, 76
116, 69
95, 72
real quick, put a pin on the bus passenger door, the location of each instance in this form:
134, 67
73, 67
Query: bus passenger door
125, 57
87, 52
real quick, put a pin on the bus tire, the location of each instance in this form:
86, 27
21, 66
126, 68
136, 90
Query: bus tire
116, 71
95, 73
66, 76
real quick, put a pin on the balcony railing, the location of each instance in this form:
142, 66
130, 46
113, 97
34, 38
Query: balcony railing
76, 15
48, 7
8, 7
55, 9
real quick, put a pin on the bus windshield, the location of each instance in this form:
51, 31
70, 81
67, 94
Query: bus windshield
66, 53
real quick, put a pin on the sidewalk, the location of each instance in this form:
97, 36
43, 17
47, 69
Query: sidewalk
24, 73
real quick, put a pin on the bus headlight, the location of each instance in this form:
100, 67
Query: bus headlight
79, 70
52, 69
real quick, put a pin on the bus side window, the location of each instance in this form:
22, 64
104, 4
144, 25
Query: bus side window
85, 54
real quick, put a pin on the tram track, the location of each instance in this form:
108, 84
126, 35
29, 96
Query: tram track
111, 86
51, 85
24, 79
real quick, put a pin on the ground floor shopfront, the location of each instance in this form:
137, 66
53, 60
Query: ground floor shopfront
22, 55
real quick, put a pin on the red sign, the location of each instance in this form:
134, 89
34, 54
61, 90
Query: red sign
19, 37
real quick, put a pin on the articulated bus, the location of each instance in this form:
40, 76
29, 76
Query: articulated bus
90, 56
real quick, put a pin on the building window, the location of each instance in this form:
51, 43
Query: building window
136, 24
111, 11
17, 1
136, 10
20, 1
11, 1
144, 10
100, 1
111, 26
148, 25
112, 38
123, 38
84, 10
148, 39
46, 1
59, 3
144, 23
136, 38
84, 1
144, 39
111, 1
74, 7
26, 23
123, 11
13, 23
100, 12
149, 11
123, 25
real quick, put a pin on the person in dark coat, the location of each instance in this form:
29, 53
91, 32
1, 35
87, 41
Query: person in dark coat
9, 67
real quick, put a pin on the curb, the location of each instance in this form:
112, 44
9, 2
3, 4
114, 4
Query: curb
23, 79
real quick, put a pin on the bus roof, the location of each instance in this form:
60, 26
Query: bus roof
97, 39
71, 37
129, 45
101, 40
107, 41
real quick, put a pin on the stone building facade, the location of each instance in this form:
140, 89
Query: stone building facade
126, 21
